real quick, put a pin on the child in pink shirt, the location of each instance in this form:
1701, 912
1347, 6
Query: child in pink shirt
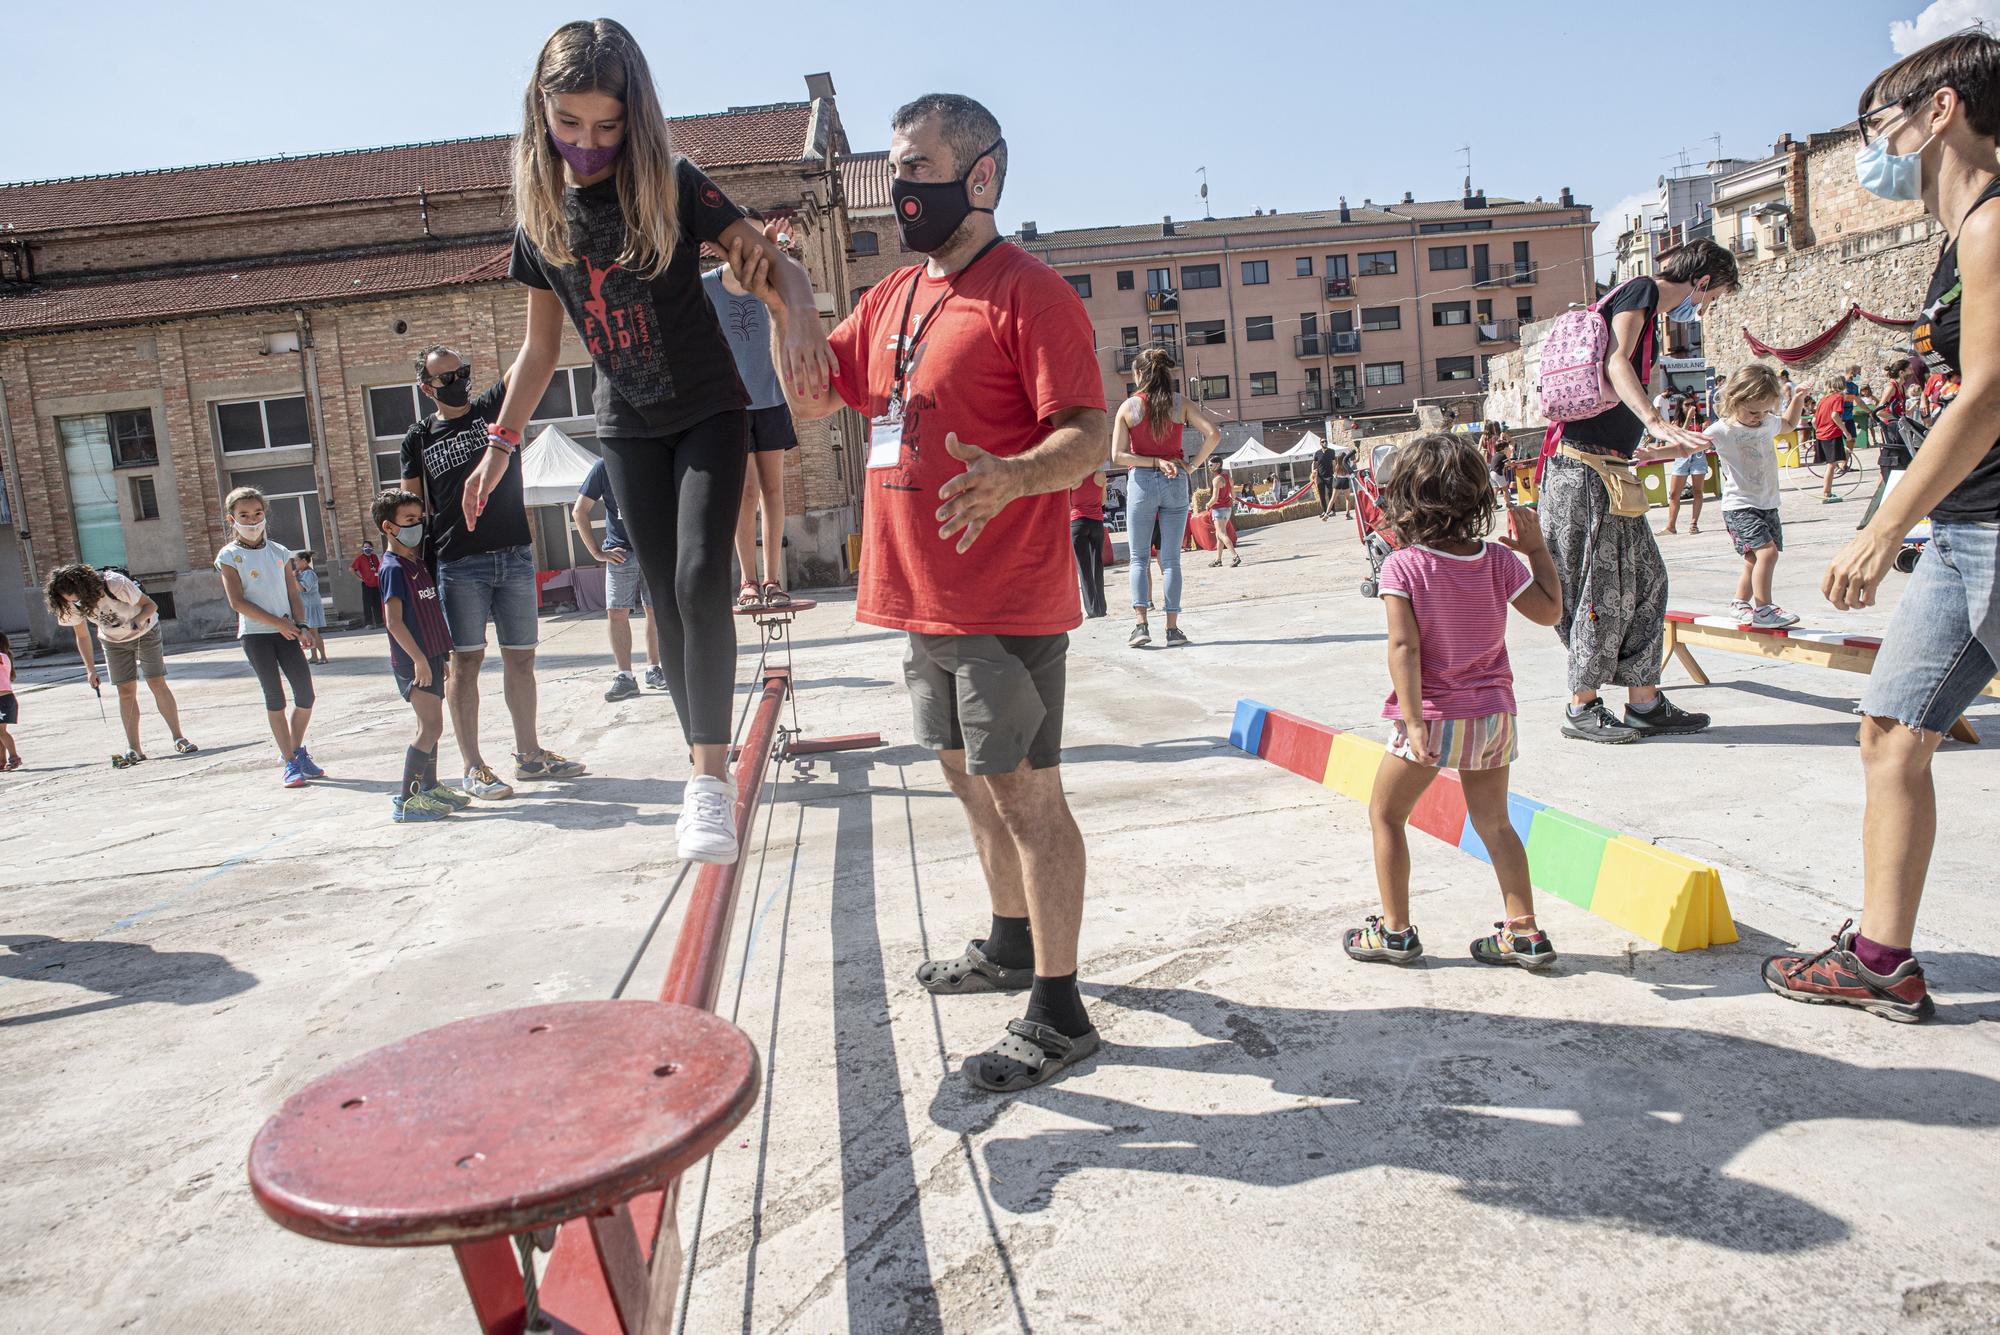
1446, 591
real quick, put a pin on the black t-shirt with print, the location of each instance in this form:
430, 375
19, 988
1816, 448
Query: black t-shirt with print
443, 451
1618, 430
662, 361
1936, 338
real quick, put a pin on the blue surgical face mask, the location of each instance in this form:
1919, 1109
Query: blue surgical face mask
1898, 176
1685, 312
411, 535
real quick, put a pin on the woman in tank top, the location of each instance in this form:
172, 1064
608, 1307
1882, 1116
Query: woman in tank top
1147, 437
1929, 125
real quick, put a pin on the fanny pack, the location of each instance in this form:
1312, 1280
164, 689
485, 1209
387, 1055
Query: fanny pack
1621, 481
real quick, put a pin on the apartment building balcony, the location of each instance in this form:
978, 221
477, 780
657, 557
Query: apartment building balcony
1312, 401
1340, 289
1524, 273
1160, 301
1347, 343
1127, 356
1745, 246
1500, 331
1346, 400
1312, 345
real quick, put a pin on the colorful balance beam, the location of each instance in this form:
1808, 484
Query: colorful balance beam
1659, 895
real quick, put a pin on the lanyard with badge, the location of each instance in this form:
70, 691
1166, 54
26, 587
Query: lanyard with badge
885, 433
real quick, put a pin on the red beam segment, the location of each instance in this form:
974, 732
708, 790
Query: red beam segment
1297, 744
573, 1291
857, 741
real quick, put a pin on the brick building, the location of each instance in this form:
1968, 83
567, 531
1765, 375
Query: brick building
166, 336
875, 247
1283, 320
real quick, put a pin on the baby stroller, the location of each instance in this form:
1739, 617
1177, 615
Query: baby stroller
1377, 539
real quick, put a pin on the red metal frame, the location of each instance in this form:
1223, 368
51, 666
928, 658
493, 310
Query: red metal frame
574, 1293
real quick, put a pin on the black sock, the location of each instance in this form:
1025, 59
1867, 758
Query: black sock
1056, 1003
1011, 944
430, 769
413, 770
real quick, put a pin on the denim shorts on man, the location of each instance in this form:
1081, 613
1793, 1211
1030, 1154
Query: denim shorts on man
1942, 642
497, 586
998, 698
625, 584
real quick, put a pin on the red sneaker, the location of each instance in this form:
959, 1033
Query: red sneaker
1836, 976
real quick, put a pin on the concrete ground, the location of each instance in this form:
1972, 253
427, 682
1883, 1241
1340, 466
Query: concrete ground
1273, 1138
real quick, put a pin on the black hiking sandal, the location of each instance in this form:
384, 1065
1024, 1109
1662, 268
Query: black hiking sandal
1596, 724
1527, 950
1373, 943
973, 972
1028, 1055
1664, 719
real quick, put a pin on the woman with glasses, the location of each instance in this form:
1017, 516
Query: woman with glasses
1929, 124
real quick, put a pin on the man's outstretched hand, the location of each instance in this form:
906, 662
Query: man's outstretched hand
972, 498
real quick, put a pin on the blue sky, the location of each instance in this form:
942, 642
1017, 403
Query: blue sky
1109, 109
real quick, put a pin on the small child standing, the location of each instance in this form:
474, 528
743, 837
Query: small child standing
257, 580
1446, 592
1746, 440
10, 709
419, 652
311, 603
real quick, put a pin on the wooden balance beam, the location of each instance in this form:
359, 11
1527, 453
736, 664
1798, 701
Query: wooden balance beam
1818, 648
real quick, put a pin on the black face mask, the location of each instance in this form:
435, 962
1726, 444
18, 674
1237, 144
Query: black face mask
455, 394
929, 213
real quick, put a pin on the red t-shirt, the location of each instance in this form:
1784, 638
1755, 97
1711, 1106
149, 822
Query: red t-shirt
367, 568
1010, 347
1086, 500
1223, 494
1826, 418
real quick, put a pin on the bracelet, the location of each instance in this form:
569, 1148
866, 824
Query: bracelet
499, 437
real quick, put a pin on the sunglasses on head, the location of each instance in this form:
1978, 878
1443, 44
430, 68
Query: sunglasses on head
462, 374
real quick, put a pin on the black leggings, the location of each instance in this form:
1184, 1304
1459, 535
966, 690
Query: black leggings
271, 653
679, 496
1086, 536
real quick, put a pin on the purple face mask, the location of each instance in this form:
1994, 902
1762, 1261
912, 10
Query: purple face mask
586, 161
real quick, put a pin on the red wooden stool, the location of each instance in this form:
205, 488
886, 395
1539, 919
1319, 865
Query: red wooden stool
505, 1124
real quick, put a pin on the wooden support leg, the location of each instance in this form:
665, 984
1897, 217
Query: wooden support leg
617, 1244
1962, 731
667, 1258
1675, 649
493, 1279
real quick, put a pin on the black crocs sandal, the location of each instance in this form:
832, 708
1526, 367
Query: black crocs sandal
1029, 1055
972, 972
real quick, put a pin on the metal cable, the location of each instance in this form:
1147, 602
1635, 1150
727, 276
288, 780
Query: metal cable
647, 939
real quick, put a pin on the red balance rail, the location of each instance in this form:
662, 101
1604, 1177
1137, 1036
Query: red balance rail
573, 1293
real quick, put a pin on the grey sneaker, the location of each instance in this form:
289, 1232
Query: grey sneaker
623, 687
549, 765
483, 782
1140, 637
1664, 719
1595, 724
1175, 637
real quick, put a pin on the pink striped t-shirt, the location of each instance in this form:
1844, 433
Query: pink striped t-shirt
1461, 606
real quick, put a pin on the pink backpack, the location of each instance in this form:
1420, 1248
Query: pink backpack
1571, 383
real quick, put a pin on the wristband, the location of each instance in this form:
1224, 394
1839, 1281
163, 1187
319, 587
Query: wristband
504, 440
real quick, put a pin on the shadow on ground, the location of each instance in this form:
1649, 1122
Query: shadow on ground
125, 972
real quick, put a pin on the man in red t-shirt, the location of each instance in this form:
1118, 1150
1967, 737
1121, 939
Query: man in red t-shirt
367, 567
978, 374
1832, 432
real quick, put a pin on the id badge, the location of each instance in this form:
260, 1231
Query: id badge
885, 441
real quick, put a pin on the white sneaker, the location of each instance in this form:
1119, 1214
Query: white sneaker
1740, 611
1772, 618
705, 830
483, 782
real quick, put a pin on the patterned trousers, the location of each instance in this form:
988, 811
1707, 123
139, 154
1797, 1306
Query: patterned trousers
1614, 582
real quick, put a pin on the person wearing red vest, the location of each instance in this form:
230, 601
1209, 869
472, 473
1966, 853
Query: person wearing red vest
1222, 505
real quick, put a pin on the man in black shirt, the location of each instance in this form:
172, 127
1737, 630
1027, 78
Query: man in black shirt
483, 573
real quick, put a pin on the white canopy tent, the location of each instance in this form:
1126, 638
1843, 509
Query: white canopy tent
1307, 447
1252, 455
552, 468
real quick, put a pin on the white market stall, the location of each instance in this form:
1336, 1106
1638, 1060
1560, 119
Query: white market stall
552, 469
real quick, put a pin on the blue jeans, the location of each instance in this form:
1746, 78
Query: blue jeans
1150, 495
1940, 648
497, 585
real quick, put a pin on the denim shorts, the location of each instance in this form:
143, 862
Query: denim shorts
1940, 648
625, 584
497, 585
1694, 465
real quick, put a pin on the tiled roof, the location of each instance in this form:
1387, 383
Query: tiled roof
253, 284
864, 179
738, 136
1309, 220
